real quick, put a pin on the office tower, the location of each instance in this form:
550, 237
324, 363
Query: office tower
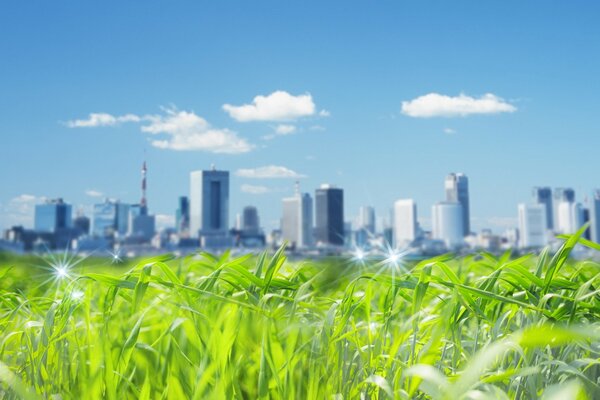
297, 219
457, 190
595, 217
447, 223
543, 195
329, 204
585, 218
250, 221
564, 198
532, 225
366, 219
110, 218
82, 224
182, 216
570, 217
405, 222
564, 195
52, 216
209, 203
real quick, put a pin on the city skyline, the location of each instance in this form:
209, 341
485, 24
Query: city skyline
383, 106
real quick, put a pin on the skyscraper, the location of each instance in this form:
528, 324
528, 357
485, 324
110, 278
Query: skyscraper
52, 216
366, 219
570, 217
297, 219
457, 190
110, 218
405, 222
209, 203
329, 204
543, 195
532, 225
595, 217
447, 223
564, 195
250, 220
182, 216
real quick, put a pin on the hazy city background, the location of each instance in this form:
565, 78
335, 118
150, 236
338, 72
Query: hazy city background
384, 106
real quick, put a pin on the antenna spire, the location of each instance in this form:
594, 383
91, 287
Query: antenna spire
143, 202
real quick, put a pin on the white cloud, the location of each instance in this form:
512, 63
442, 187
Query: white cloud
324, 113
254, 189
19, 210
277, 106
438, 105
280, 130
95, 120
284, 129
449, 131
270, 171
185, 131
189, 131
93, 193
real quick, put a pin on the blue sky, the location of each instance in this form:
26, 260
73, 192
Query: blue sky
344, 68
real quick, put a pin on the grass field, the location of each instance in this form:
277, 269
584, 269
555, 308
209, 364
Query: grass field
261, 327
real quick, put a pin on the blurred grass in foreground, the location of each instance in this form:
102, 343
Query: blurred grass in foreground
259, 327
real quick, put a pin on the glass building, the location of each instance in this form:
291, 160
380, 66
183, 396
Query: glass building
250, 221
209, 203
543, 195
447, 220
52, 216
110, 218
182, 217
457, 190
329, 210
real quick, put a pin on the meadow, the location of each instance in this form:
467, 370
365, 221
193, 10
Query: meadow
262, 327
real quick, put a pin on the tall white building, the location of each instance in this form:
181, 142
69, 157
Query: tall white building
297, 220
532, 225
405, 222
570, 217
209, 203
447, 223
366, 219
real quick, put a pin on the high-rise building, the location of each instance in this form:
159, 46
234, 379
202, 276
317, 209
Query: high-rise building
457, 190
366, 219
297, 219
82, 224
564, 195
447, 223
329, 204
110, 218
595, 217
532, 225
250, 220
585, 218
405, 222
209, 203
52, 216
543, 195
570, 217
182, 216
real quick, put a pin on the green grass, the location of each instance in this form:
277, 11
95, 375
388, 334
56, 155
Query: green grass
260, 327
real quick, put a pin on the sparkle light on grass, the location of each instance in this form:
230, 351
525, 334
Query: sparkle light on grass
261, 327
